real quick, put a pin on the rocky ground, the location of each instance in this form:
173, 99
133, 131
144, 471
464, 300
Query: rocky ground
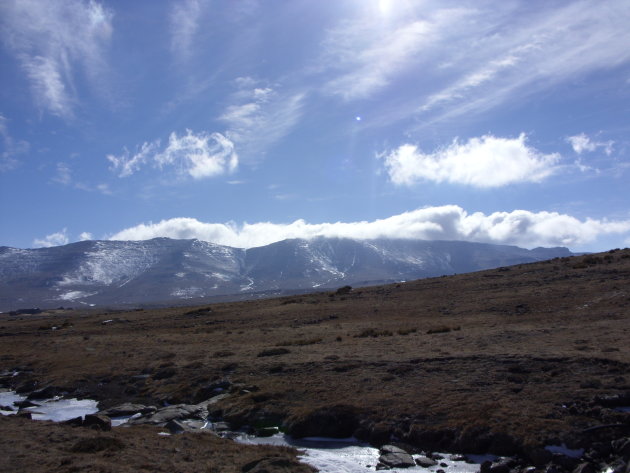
505, 361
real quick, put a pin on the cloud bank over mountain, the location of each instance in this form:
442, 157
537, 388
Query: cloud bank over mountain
449, 222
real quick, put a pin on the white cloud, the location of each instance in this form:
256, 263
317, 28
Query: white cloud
11, 149
488, 161
84, 236
450, 222
54, 239
198, 155
184, 21
582, 143
64, 174
50, 39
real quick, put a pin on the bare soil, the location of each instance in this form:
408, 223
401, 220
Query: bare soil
506, 361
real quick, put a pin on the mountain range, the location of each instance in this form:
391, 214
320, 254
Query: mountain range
167, 271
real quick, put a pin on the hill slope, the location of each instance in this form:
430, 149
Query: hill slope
163, 270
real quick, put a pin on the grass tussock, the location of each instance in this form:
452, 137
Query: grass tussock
443, 329
299, 343
374, 333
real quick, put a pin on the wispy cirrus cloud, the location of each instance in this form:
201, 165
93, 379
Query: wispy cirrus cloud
582, 143
365, 54
484, 162
184, 25
11, 149
260, 115
449, 222
196, 155
51, 40
512, 59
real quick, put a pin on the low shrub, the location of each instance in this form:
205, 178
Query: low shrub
273, 352
374, 333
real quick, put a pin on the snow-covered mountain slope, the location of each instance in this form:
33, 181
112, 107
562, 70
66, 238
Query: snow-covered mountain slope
164, 270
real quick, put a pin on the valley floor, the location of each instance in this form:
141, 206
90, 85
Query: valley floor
505, 361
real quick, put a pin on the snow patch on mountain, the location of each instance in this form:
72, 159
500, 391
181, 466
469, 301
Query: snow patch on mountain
106, 264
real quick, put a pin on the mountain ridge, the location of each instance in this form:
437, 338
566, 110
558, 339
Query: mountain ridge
164, 270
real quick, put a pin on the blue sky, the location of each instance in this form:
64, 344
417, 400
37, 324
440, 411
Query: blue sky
248, 122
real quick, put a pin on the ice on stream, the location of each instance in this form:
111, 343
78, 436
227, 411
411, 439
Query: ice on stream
350, 456
63, 409
57, 410
7, 399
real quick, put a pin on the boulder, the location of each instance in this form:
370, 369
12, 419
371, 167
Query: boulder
24, 404
425, 462
585, 468
395, 457
75, 422
176, 412
568, 463
128, 409
45, 393
97, 422
501, 466
175, 426
621, 447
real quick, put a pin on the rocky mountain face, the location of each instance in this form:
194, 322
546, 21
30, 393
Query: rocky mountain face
162, 270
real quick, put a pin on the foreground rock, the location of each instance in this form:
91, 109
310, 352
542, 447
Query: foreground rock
128, 409
394, 457
170, 413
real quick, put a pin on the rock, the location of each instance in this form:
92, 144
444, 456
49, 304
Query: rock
220, 426
501, 466
585, 468
97, 422
44, 393
391, 449
267, 431
24, 404
212, 389
24, 414
568, 463
425, 462
395, 457
128, 409
178, 412
177, 427
551, 468
622, 447
538, 456
275, 465
6, 408
614, 400
619, 467
75, 422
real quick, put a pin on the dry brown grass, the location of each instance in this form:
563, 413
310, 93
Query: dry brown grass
557, 323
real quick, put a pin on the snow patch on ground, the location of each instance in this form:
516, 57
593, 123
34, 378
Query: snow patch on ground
188, 293
349, 455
